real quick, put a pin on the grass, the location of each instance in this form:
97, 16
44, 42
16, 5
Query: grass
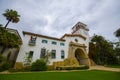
113, 66
73, 75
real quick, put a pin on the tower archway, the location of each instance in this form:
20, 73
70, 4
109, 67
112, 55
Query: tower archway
78, 51
81, 56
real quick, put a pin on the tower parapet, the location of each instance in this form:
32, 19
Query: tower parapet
78, 26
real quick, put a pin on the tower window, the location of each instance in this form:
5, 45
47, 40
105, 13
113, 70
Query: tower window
76, 40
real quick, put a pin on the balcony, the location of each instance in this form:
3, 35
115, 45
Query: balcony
32, 42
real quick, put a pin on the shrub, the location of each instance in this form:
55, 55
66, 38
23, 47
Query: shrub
15, 70
2, 59
5, 66
4, 63
39, 65
72, 67
25, 69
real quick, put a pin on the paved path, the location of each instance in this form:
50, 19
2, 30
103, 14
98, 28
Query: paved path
97, 67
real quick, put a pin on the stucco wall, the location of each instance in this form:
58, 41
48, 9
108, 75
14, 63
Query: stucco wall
86, 34
37, 49
80, 40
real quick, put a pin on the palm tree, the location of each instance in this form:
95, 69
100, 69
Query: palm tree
117, 33
11, 16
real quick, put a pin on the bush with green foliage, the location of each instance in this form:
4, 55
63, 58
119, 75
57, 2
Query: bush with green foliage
39, 65
72, 67
25, 69
8, 40
4, 64
102, 51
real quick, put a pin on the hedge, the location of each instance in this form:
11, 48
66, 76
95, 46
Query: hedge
72, 67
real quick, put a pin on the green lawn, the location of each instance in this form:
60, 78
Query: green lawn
72, 75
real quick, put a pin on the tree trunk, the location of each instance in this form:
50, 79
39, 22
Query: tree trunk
7, 24
3, 49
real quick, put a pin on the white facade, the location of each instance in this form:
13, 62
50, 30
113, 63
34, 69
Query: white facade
79, 35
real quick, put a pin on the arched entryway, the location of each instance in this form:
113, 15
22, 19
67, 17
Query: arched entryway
81, 56
78, 51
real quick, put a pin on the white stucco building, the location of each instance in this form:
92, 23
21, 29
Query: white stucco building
36, 45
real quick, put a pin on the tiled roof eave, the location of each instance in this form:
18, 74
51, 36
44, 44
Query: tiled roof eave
39, 35
74, 35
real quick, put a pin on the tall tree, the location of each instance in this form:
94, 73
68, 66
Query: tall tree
8, 40
2, 31
93, 52
11, 16
117, 47
104, 51
117, 33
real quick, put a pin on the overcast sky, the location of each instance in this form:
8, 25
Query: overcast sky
57, 17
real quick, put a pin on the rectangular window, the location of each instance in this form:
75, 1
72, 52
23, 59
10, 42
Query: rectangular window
44, 41
62, 54
30, 54
53, 55
53, 42
28, 58
62, 44
43, 51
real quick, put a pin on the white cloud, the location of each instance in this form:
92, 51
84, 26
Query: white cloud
56, 17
